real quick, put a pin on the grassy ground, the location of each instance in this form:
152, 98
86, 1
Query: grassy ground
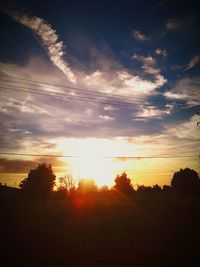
143, 231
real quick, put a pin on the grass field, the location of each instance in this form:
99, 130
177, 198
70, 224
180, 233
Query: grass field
143, 231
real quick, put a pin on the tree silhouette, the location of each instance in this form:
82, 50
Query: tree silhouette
186, 181
67, 184
149, 189
39, 183
123, 184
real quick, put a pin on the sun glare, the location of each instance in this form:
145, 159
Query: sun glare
92, 159
101, 170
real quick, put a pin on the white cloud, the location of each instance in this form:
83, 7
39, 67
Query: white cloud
193, 62
148, 60
149, 66
85, 118
122, 84
161, 52
177, 139
186, 89
94, 78
109, 108
150, 112
106, 118
140, 86
48, 38
139, 36
10, 105
186, 130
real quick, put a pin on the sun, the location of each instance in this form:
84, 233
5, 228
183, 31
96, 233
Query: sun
92, 158
99, 169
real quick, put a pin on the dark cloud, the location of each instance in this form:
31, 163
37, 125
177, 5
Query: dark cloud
24, 166
173, 25
16, 166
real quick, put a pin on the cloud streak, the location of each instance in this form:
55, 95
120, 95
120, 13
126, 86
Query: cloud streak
186, 89
161, 52
139, 36
48, 38
193, 62
149, 66
173, 25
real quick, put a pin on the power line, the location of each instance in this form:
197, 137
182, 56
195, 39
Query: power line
109, 157
7, 85
66, 87
81, 91
83, 97
58, 94
76, 98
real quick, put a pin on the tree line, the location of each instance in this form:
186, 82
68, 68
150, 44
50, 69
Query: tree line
41, 182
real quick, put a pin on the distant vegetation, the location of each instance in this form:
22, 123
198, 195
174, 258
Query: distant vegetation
85, 225
41, 185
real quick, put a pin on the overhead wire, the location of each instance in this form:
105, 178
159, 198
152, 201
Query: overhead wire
108, 157
28, 86
69, 94
83, 90
70, 97
83, 95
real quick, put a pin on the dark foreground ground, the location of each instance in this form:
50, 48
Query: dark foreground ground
145, 231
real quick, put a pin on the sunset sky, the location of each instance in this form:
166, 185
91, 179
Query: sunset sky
112, 86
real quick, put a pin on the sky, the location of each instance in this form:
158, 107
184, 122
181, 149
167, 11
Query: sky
100, 86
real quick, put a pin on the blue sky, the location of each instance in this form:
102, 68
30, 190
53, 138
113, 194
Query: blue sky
136, 67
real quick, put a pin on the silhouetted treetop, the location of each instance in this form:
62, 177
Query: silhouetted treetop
123, 184
40, 182
186, 180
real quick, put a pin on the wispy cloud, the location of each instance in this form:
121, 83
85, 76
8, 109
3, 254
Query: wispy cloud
139, 86
149, 66
11, 104
23, 166
193, 62
161, 52
186, 89
13, 166
106, 118
48, 38
109, 108
139, 36
148, 59
186, 131
153, 112
172, 25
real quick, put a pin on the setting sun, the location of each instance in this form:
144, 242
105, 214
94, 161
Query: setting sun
101, 170
99, 133
94, 158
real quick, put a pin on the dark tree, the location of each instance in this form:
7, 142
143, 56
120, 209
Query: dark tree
123, 184
186, 181
39, 183
144, 189
60, 193
67, 183
166, 188
156, 188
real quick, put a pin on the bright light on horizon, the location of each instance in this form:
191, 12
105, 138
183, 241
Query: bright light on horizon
93, 158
